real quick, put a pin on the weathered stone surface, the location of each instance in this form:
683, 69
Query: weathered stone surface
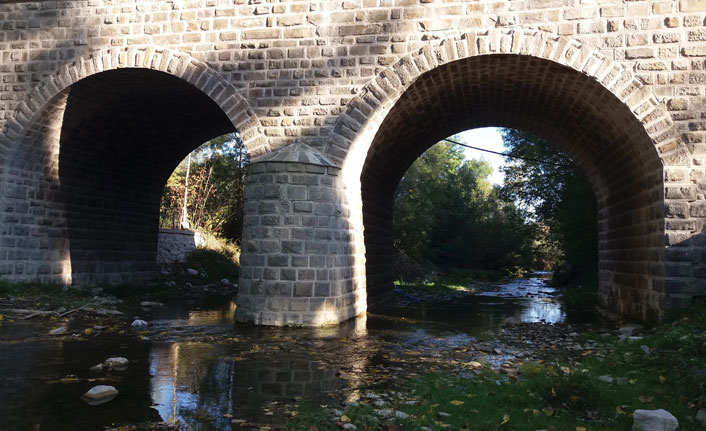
654, 420
617, 84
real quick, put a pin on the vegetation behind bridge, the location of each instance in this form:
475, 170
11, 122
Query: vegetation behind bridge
447, 214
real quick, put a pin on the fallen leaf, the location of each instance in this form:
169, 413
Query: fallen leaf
548, 411
345, 418
87, 331
580, 428
506, 419
662, 379
456, 402
645, 399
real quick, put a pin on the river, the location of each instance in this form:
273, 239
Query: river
197, 367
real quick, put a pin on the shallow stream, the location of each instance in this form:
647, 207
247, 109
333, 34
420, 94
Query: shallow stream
196, 366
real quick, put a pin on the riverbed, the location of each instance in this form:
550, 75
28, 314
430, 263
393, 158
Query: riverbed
196, 366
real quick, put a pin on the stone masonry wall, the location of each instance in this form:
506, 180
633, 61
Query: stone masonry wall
174, 244
291, 72
297, 264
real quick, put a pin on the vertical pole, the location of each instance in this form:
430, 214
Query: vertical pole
184, 220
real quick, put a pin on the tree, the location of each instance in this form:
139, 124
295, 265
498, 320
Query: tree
216, 188
447, 213
557, 196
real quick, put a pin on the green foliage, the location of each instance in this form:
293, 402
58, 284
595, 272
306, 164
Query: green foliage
558, 197
214, 265
447, 213
215, 191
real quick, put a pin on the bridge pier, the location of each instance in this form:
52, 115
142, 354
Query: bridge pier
298, 253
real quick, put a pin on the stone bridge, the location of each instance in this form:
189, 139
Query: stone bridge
101, 99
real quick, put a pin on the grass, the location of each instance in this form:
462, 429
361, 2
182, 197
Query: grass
458, 281
212, 267
565, 394
44, 296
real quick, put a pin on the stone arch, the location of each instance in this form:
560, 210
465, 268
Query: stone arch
628, 177
87, 154
177, 64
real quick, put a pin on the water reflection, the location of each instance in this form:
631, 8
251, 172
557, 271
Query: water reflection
245, 370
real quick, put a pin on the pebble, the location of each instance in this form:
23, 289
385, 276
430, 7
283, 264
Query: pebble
97, 368
645, 349
192, 271
58, 331
151, 304
118, 363
349, 426
606, 379
100, 394
444, 415
225, 281
138, 324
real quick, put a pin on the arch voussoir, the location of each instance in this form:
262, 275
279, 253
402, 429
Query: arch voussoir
178, 64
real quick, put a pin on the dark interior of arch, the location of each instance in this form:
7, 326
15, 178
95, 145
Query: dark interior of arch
569, 109
123, 133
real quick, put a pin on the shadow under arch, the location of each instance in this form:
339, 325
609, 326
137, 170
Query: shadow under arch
85, 176
608, 140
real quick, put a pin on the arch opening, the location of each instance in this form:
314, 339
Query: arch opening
565, 107
89, 171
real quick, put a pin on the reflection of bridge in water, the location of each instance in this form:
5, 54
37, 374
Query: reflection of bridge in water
193, 381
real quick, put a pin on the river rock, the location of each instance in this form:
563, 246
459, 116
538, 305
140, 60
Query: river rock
139, 324
61, 330
100, 394
605, 379
629, 330
192, 271
151, 304
349, 426
97, 368
117, 363
701, 417
225, 281
654, 420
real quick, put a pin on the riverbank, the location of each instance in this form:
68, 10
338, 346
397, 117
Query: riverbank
537, 376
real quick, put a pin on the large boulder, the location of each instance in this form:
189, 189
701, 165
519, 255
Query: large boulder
654, 420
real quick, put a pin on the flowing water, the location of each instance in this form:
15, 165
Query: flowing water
198, 367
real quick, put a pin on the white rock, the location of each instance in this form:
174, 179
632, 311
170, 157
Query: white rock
606, 379
151, 304
192, 271
401, 415
58, 331
139, 324
98, 367
117, 363
349, 426
379, 403
225, 281
444, 415
100, 394
645, 349
654, 420
701, 417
